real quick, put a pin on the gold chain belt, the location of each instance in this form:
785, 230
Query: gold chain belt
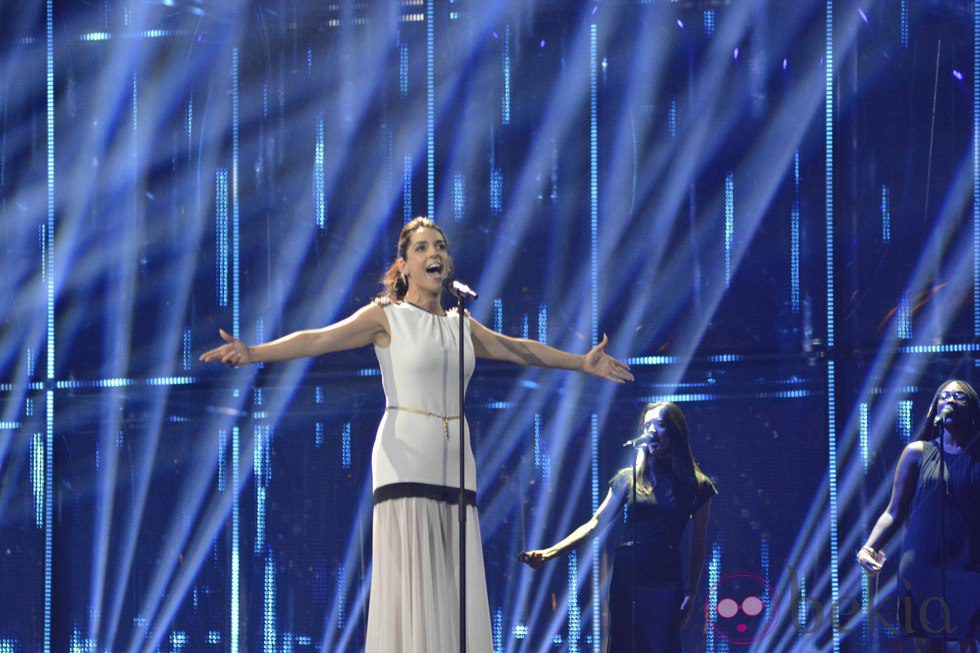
445, 419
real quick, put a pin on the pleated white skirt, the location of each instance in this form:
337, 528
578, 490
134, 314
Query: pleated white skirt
414, 605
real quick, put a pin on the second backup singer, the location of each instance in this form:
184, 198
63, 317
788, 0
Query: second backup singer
936, 494
671, 489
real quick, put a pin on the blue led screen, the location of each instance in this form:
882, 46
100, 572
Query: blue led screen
770, 208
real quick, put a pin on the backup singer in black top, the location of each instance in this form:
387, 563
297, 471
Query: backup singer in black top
940, 562
670, 490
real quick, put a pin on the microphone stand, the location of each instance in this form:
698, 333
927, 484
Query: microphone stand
943, 498
633, 559
462, 476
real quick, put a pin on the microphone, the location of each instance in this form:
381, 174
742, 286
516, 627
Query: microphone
940, 418
458, 289
638, 441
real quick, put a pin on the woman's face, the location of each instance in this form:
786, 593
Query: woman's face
426, 261
954, 395
655, 426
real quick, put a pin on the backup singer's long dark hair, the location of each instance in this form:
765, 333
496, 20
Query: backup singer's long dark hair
680, 456
929, 432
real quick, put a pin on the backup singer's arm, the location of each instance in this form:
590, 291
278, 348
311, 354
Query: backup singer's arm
603, 516
903, 488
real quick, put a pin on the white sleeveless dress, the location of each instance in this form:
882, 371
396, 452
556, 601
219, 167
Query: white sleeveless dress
414, 604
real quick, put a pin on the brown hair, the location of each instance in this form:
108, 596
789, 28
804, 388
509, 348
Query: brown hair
681, 458
393, 283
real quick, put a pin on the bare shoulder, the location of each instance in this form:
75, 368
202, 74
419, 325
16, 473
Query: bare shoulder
375, 314
908, 463
914, 450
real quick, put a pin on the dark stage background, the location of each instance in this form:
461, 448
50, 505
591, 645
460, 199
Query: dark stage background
770, 207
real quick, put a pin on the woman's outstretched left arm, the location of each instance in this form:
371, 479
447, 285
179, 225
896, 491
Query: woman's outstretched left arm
490, 344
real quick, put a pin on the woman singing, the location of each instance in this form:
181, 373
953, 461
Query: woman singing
670, 490
939, 571
414, 587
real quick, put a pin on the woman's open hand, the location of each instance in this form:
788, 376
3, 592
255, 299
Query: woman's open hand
233, 353
598, 363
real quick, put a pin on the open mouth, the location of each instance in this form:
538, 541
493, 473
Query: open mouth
434, 270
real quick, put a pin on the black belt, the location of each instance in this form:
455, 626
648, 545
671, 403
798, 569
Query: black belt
423, 491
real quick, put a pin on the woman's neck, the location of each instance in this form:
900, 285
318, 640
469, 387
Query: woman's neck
953, 442
430, 302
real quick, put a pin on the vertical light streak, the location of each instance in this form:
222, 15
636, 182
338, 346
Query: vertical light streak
729, 225
189, 126
318, 435
794, 245
593, 185
48, 514
709, 22
866, 612
886, 215
221, 235
345, 447
185, 356
525, 327
801, 609
260, 468
537, 441
905, 420
38, 477
430, 107
904, 23
831, 369
976, 166
222, 467
505, 101
319, 192
829, 173
863, 436
574, 613
714, 574
498, 631
459, 197
905, 316
341, 598
594, 291
596, 608
403, 68
269, 612
543, 324
496, 191
48, 270
834, 513
235, 566
235, 215
672, 118
407, 189
764, 557
498, 315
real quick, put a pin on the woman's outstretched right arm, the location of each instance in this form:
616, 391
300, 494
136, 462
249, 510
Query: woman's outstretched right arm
603, 515
366, 326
